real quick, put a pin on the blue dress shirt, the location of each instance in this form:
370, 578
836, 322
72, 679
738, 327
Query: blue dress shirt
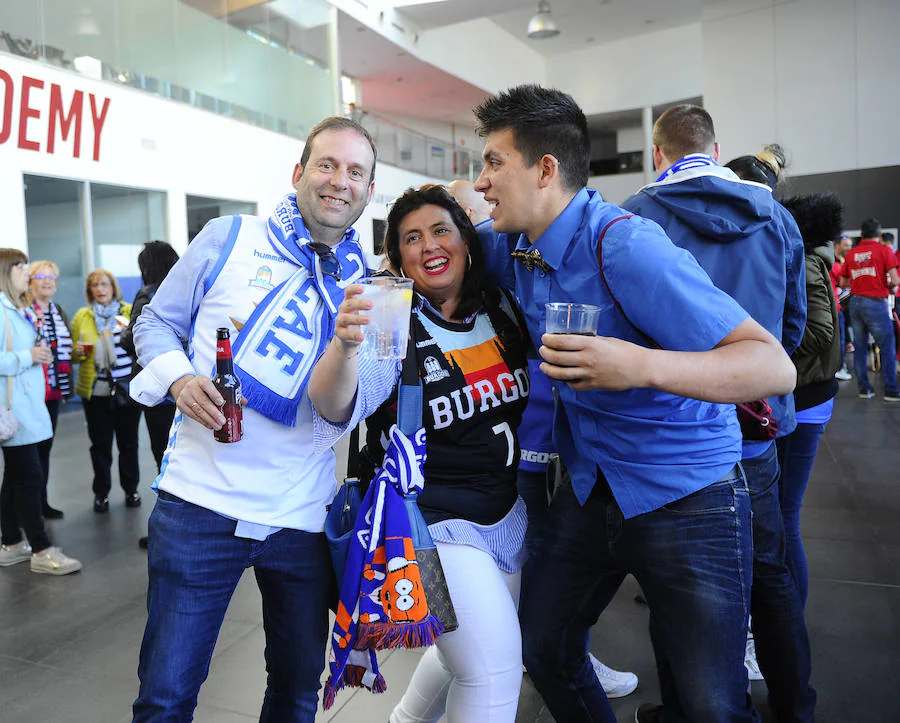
652, 447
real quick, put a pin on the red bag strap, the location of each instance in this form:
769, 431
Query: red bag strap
606, 282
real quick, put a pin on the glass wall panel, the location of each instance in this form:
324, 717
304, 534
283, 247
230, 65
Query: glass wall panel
53, 214
201, 209
124, 219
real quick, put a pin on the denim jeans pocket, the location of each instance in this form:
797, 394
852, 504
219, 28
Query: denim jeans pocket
716, 498
169, 498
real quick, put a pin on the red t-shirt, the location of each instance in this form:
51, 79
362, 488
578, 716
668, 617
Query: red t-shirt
866, 266
835, 274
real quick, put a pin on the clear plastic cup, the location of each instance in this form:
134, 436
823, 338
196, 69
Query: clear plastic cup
387, 332
581, 319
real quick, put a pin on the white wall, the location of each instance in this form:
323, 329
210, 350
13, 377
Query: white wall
483, 54
618, 187
148, 142
819, 77
632, 73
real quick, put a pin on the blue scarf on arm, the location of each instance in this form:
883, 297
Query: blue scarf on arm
295, 320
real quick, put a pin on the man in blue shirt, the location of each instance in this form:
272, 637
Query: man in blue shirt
751, 248
645, 422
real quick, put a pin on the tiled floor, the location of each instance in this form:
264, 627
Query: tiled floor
68, 646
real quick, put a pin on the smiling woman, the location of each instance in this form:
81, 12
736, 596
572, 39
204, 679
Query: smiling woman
470, 350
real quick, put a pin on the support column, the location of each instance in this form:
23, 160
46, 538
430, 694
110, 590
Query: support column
647, 122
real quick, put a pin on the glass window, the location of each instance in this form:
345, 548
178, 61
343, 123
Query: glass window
123, 220
53, 214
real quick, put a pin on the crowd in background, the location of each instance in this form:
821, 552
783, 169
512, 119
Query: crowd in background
43, 349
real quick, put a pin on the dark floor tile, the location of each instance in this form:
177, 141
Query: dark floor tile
848, 560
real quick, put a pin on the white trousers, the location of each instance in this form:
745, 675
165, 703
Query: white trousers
475, 672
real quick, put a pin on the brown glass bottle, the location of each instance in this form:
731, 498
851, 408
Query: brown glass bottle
229, 386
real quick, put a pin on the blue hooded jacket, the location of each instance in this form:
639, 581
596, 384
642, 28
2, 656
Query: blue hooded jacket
749, 245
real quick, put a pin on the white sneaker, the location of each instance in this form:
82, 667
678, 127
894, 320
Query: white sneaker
615, 683
54, 562
750, 663
14, 554
843, 374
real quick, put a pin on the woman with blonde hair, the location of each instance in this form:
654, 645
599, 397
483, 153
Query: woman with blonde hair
22, 390
53, 328
102, 384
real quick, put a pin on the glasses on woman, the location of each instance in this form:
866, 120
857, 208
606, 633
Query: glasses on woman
328, 262
42, 277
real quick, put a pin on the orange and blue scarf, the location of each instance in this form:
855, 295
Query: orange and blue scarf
382, 600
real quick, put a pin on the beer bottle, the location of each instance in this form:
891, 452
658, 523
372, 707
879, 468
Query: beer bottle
229, 386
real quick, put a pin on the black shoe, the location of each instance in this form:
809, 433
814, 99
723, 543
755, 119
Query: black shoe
648, 713
51, 513
143, 542
101, 504
133, 500
891, 397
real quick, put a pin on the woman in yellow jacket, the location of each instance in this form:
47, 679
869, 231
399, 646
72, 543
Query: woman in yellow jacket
102, 383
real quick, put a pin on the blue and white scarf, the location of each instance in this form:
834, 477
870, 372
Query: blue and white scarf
692, 160
295, 320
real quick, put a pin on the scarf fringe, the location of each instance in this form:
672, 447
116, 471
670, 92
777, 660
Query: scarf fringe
266, 402
381, 636
352, 677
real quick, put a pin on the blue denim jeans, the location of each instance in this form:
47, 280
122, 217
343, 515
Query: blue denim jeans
796, 454
532, 488
195, 563
782, 642
872, 315
693, 559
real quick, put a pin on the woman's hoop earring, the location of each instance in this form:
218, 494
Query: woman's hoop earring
401, 273
469, 256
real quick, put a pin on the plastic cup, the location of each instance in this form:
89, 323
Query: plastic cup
387, 332
581, 319
88, 346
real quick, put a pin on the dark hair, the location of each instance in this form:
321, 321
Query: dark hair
765, 167
819, 216
155, 260
337, 123
544, 121
888, 237
683, 130
473, 286
871, 228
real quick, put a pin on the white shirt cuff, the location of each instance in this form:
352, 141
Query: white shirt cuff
151, 386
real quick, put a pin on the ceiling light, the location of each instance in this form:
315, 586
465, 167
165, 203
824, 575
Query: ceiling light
542, 25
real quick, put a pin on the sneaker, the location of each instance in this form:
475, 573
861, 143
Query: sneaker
101, 504
615, 684
866, 394
843, 374
891, 397
850, 347
648, 713
750, 663
133, 500
14, 554
54, 562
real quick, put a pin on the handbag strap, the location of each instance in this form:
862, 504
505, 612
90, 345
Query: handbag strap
409, 393
353, 456
9, 383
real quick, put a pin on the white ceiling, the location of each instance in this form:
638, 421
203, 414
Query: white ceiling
581, 22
